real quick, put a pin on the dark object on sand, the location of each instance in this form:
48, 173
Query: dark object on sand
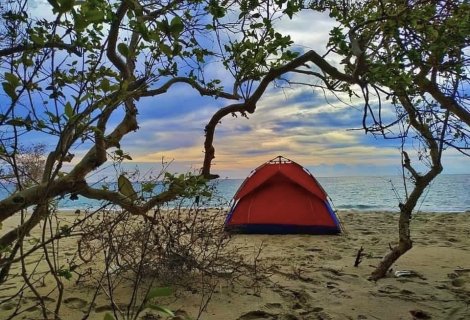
359, 256
420, 314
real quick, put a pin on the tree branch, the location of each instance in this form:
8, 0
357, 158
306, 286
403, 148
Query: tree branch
250, 104
125, 202
112, 41
446, 102
202, 90
37, 194
27, 47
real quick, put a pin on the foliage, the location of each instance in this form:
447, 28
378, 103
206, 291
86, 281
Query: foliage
153, 293
74, 74
410, 59
180, 245
417, 49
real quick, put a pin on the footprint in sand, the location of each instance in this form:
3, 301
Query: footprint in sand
103, 308
7, 306
6, 286
75, 303
458, 282
258, 315
48, 299
302, 296
287, 316
273, 306
44, 298
331, 285
33, 309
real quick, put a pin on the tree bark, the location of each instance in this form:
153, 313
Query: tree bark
404, 244
404, 235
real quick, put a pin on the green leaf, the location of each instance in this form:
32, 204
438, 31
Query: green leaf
53, 3
93, 14
9, 90
19, 122
33, 241
65, 230
37, 39
12, 79
68, 110
122, 155
206, 194
125, 187
176, 26
160, 308
65, 5
64, 273
108, 316
166, 50
52, 117
105, 86
159, 292
12, 82
148, 186
80, 23
26, 60
123, 49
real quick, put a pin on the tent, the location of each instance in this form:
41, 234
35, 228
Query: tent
282, 197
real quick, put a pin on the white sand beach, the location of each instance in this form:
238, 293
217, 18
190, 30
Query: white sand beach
313, 277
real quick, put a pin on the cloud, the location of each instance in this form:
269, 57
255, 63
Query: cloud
308, 29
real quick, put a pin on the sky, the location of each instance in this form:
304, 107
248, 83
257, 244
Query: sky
302, 124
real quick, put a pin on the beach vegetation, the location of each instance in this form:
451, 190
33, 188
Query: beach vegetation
74, 74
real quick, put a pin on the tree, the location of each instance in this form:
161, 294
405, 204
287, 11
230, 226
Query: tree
75, 78
70, 76
410, 57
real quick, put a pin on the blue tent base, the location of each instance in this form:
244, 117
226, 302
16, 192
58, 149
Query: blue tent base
280, 229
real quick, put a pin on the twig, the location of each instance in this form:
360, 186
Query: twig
359, 256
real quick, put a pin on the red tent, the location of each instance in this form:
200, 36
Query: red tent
281, 196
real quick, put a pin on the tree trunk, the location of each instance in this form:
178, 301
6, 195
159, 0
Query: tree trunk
421, 183
406, 209
404, 244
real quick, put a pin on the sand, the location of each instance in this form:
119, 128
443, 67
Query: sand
313, 277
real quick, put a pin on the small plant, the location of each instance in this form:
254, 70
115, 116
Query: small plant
152, 295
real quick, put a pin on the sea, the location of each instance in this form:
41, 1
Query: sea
448, 193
